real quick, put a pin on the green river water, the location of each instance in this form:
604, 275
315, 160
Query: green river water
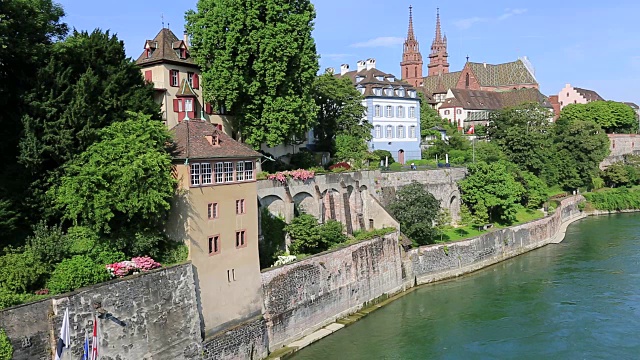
579, 299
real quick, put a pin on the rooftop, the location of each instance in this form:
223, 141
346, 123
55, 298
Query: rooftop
195, 139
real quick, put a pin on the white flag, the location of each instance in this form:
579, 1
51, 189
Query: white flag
64, 340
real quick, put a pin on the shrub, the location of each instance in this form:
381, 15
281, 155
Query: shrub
6, 350
8, 298
381, 155
272, 243
136, 265
331, 233
615, 199
395, 166
175, 254
372, 234
340, 165
21, 271
305, 237
49, 245
303, 160
82, 240
76, 272
300, 174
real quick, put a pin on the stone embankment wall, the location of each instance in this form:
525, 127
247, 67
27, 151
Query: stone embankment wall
300, 298
437, 262
159, 310
245, 341
620, 145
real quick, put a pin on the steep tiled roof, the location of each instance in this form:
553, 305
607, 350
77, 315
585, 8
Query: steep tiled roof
191, 142
448, 80
590, 95
634, 106
490, 100
370, 81
164, 47
185, 89
507, 74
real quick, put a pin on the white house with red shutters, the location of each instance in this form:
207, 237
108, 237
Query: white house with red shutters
166, 62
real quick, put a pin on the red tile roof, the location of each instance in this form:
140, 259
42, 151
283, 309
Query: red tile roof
164, 47
190, 138
590, 95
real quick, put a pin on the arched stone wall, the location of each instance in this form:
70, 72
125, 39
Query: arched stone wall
275, 205
306, 203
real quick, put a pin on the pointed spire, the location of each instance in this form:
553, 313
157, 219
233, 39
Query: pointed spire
438, 33
410, 35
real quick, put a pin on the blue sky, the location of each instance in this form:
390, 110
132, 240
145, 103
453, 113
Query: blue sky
590, 44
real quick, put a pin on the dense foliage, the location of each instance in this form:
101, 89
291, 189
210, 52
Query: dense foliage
309, 237
273, 236
614, 199
612, 116
6, 349
417, 210
258, 61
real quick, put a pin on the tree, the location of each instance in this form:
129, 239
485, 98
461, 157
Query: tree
417, 210
535, 190
618, 174
612, 116
123, 181
524, 134
351, 149
259, 61
340, 111
491, 192
272, 242
429, 118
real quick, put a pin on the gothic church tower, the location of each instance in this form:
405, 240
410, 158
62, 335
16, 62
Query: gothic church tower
411, 65
438, 63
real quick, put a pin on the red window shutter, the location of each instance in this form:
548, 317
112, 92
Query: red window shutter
219, 127
175, 105
196, 81
207, 108
148, 76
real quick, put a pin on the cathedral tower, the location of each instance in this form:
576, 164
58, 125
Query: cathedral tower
438, 63
411, 65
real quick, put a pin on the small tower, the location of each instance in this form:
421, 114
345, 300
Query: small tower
411, 65
438, 63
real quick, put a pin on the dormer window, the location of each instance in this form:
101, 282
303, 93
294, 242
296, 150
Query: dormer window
377, 91
412, 93
389, 92
400, 92
359, 78
379, 78
391, 79
215, 140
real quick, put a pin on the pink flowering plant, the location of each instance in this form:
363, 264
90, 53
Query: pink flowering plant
300, 174
134, 266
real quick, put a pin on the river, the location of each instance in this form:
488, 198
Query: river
579, 299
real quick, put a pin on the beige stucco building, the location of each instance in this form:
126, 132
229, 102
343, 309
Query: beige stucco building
167, 63
216, 214
573, 95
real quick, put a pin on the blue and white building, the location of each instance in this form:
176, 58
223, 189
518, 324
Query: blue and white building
393, 108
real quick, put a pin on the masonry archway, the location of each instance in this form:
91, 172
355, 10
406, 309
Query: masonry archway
306, 203
401, 156
274, 203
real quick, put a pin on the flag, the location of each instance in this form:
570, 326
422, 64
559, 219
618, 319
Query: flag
471, 129
94, 341
64, 338
85, 348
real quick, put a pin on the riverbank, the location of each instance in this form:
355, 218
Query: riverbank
424, 265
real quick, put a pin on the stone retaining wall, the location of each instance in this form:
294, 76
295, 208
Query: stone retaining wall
245, 341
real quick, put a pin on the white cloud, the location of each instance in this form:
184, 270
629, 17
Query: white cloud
383, 41
464, 24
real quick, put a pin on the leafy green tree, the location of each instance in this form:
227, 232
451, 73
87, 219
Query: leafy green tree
6, 349
617, 174
491, 192
21, 271
49, 245
535, 190
123, 181
429, 118
351, 149
417, 211
331, 233
259, 61
488, 151
305, 237
75, 273
579, 147
525, 135
340, 111
272, 242
612, 116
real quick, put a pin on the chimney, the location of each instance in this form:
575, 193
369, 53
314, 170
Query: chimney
330, 70
485, 64
371, 64
185, 37
344, 68
361, 65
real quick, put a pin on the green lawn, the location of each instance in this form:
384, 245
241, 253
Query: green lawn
466, 232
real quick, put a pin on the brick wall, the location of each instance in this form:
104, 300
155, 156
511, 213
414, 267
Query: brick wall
245, 341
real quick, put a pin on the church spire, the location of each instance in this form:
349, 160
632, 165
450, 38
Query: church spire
438, 37
438, 63
411, 65
410, 34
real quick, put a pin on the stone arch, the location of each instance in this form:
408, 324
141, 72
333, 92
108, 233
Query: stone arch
330, 205
274, 203
453, 205
306, 203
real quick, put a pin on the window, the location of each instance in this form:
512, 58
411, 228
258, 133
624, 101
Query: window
379, 78
412, 131
389, 111
248, 170
400, 131
412, 112
180, 107
378, 111
391, 79
188, 105
206, 173
400, 92
174, 77
389, 92
190, 78
240, 207
377, 91
361, 89
459, 111
218, 171
466, 80
359, 78
400, 111
561, 103
240, 171
378, 131
446, 112
214, 244
228, 172
195, 174
212, 210
412, 93
567, 94
241, 239
148, 76
389, 131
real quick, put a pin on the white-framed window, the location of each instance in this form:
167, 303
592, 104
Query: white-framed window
195, 174
190, 78
378, 133
212, 210
379, 78
240, 209
400, 92
389, 92
412, 93
248, 170
180, 106
359, 78
412, 131
240, 171
206, 173
400, 111
446, 112
377, 110
228, 171
391, 79
188, 104
361, 90
412, 112
401, 134
459, 111
389, 132
389, 111
377, 92
219, 167
174, 77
